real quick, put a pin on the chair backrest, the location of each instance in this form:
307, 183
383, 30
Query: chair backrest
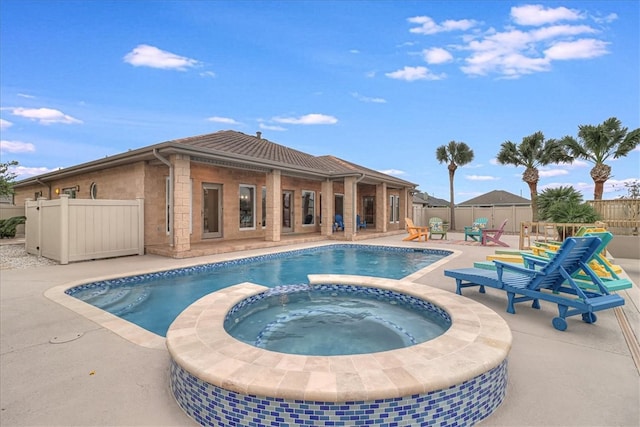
436, 224
339, 220
480, 223
501, 228
572, 256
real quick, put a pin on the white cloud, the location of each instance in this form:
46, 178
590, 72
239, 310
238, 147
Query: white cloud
437, 55
209, 74
225, 120
150, 56
24, 95
414, 73
354, 51
578, 49
395, 172
481, 178
16, 147
309, 119
535, 14
546, 173
368, 99
605, 19
428, 26
5, 124
271, 127
23, 172
45, 116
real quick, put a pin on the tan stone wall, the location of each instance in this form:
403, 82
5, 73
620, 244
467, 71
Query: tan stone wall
148, 181
119, 183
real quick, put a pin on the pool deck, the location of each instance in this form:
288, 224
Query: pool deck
60, 368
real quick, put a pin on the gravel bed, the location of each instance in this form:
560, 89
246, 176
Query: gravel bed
15, 257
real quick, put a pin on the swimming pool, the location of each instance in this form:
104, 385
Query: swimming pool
153, 301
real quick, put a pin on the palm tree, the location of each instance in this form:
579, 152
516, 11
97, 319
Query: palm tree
455, 154
532, 152
598, 143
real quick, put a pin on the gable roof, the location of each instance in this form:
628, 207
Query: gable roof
236, 150
496, 198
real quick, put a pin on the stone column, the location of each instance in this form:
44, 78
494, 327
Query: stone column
181, 202
273, 230
350, 199
382, 208
327, 208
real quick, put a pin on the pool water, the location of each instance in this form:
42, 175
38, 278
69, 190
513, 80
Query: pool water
334, 320
153, 301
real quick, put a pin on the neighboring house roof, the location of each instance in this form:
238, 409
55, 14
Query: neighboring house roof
236, 150
426, 200
496, 198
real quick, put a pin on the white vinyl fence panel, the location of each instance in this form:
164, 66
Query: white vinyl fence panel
69, 230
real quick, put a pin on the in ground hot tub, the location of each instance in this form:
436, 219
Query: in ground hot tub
332, 320
456, 378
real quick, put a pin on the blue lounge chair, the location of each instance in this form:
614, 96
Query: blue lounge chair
338, 224
361, 224
551, 281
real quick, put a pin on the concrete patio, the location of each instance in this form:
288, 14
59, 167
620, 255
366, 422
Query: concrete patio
59, 368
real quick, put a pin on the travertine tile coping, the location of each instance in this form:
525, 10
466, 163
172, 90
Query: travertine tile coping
477, 341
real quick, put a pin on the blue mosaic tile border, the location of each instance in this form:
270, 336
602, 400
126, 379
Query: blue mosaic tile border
459, 405
204, 268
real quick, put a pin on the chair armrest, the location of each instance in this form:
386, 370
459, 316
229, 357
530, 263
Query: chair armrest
515, 268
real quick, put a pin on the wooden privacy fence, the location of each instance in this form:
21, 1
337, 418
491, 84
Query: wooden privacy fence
67, 230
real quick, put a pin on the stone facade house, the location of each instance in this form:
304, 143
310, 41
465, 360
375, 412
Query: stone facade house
228, 186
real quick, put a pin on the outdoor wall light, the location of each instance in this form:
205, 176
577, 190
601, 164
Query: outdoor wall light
57, 191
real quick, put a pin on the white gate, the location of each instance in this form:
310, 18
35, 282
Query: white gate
68, 230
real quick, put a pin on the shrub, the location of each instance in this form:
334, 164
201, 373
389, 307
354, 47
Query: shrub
8, 226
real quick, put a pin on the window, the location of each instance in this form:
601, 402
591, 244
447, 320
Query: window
394, 208
93, 190
264, 206
369, 209
247, 207
308, 207
71, 191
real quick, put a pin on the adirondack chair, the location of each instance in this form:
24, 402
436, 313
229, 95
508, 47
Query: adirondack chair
474, 231
437, 227
494, 235
551, 280
415, 232
338, 223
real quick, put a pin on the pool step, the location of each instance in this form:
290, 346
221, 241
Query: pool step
119, 300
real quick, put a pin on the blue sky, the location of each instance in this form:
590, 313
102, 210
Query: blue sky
378, 83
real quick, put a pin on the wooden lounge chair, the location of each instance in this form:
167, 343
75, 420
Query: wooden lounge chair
474, 231
494, 235
437, 227
415, 232
551, 281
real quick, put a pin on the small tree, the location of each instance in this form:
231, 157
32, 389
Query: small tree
565, 205
632, 208
455, 154
7, 177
